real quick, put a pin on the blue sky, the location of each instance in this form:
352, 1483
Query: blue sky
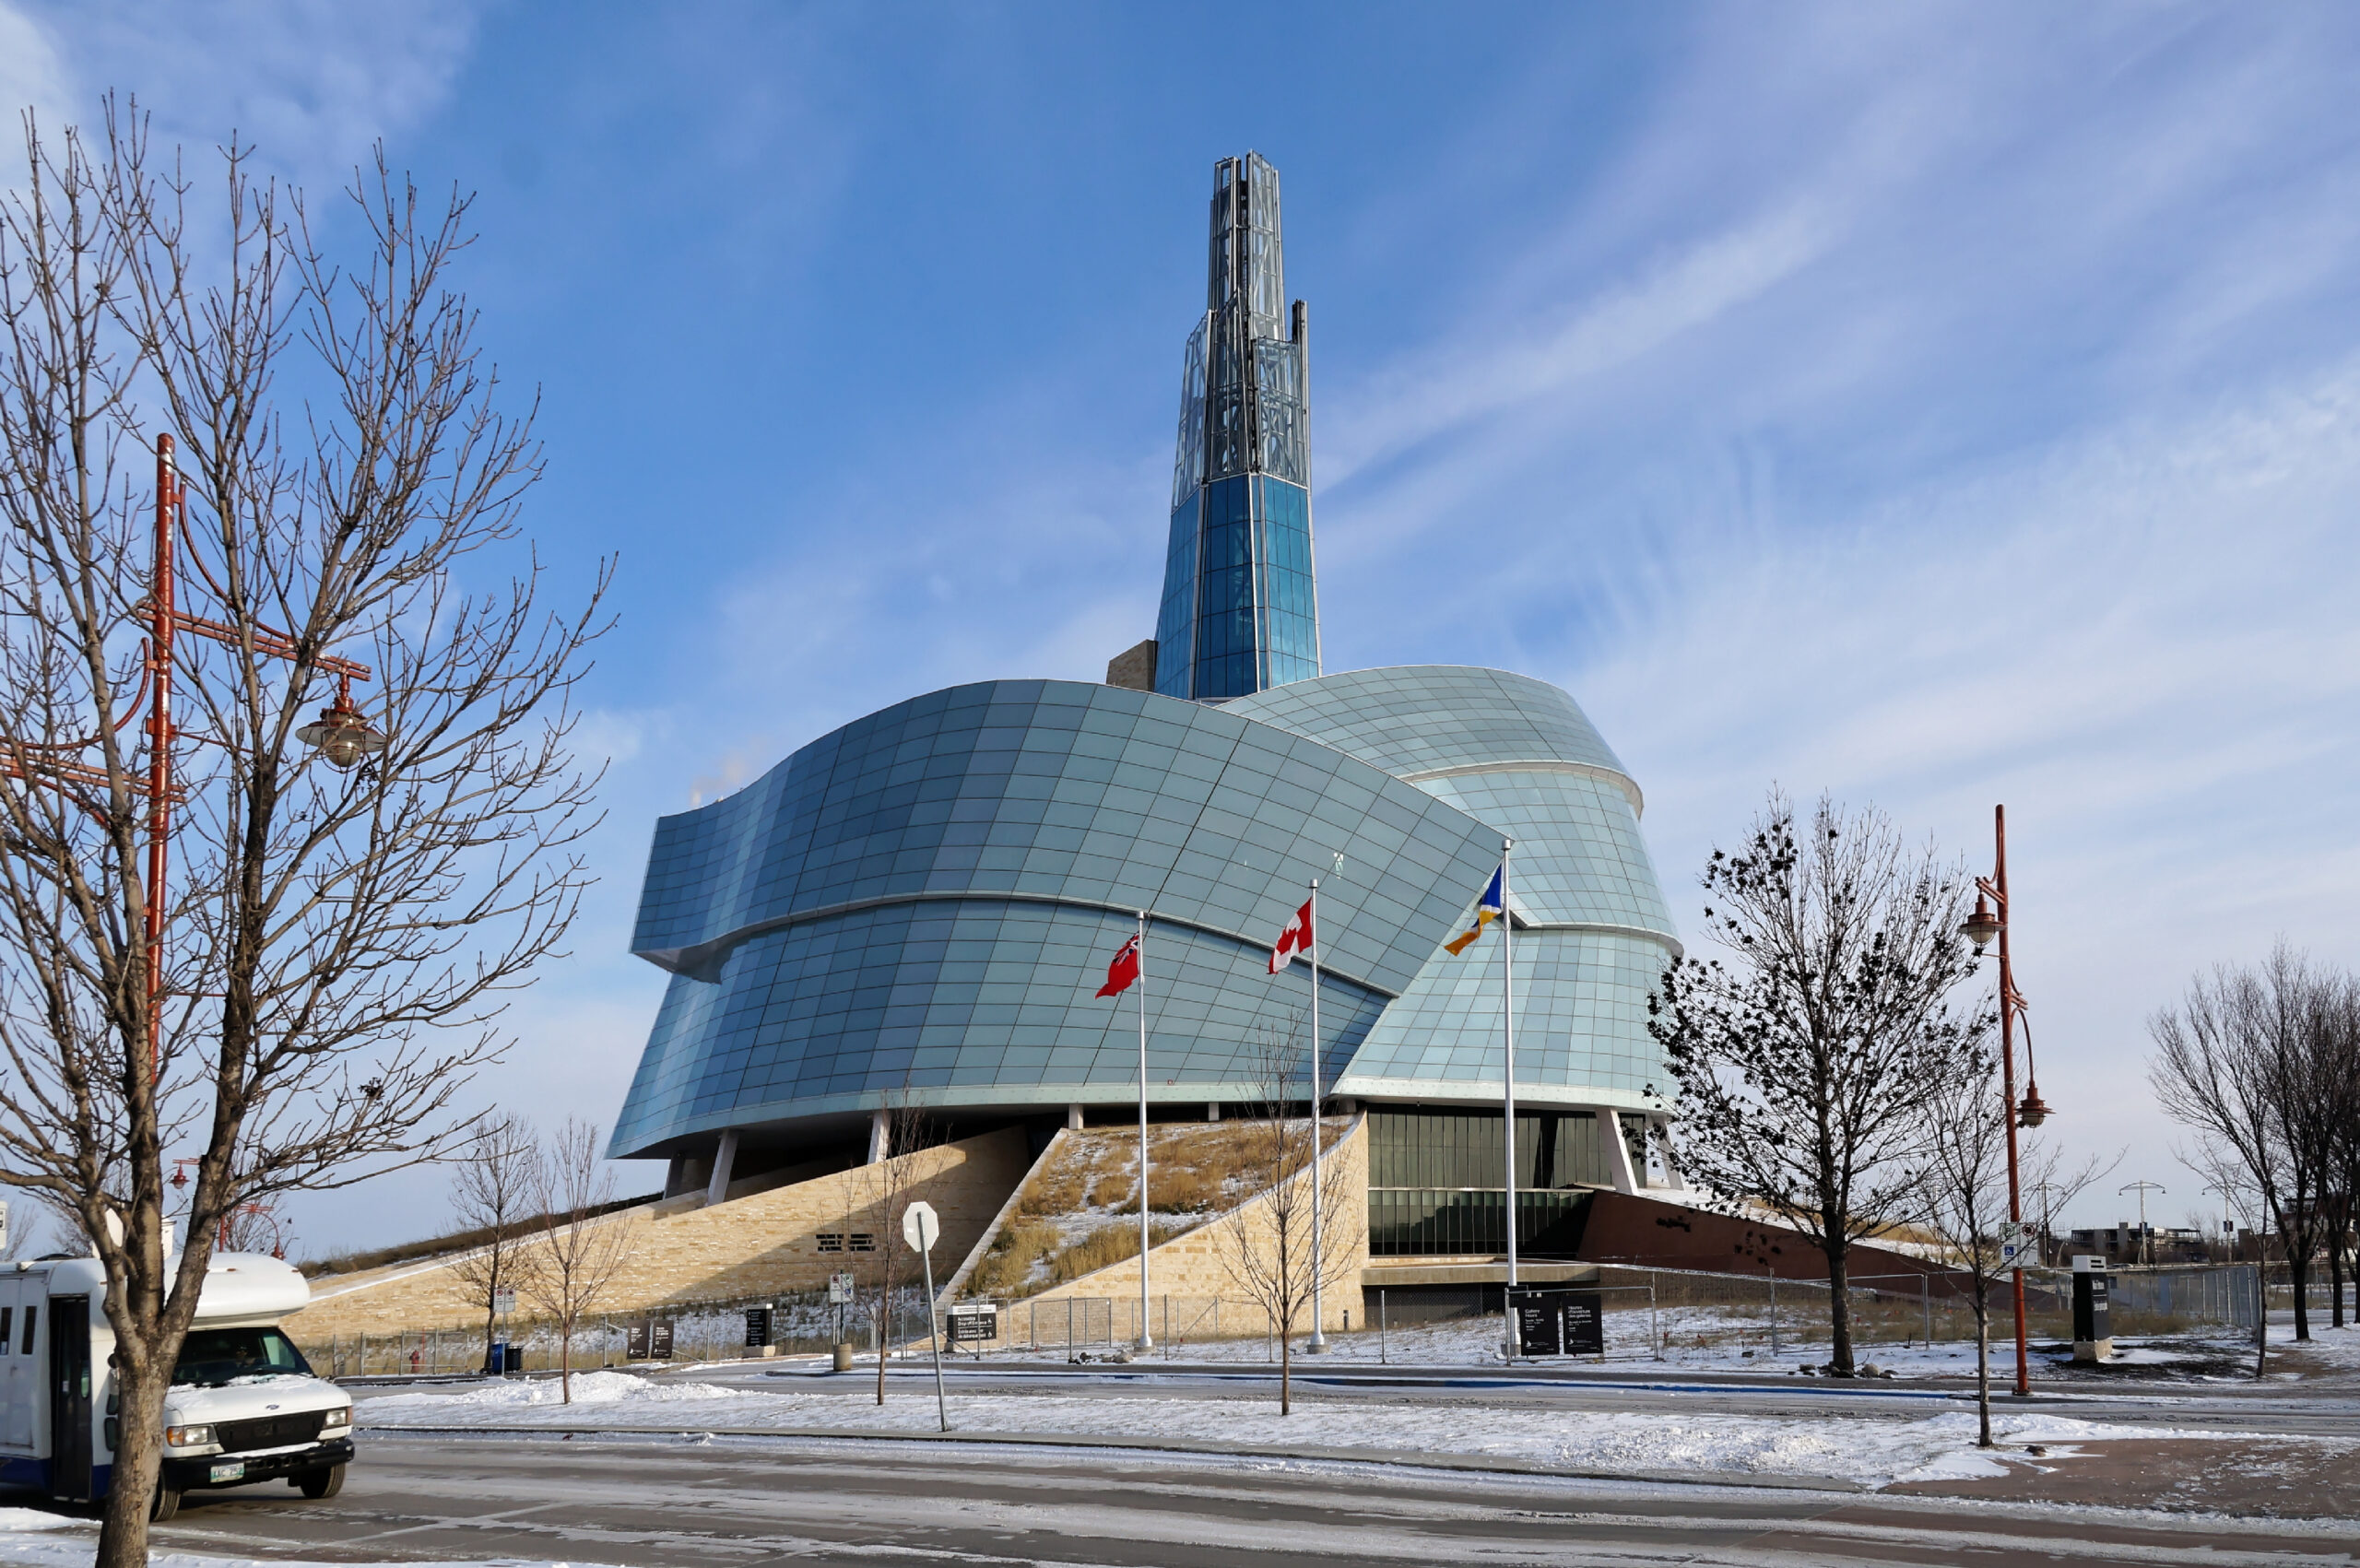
1935, 404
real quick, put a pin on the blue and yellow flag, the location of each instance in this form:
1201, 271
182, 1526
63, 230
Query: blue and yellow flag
1486, 909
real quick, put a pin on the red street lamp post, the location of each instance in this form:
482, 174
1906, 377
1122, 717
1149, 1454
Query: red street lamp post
341, 734
1989, 920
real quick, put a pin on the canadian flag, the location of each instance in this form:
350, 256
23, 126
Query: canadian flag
1295, 939
1123, 970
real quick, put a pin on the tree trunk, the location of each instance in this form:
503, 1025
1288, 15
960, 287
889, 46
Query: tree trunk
491, 1331
1286, 1369
138, 1461
2335, 1279
2298, 1268
2260, 1321
565, 1362
1839, 1306
884, 1334
1982, 1361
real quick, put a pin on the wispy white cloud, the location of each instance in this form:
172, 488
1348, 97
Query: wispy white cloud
312, 83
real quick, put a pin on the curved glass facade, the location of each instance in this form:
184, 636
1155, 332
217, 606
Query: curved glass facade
924, 901
1592, 930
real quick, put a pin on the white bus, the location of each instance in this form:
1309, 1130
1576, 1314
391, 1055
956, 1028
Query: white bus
244, 1406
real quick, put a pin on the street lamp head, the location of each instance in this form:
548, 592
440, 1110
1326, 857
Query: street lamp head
1982, 926
2034, 1109
342, 735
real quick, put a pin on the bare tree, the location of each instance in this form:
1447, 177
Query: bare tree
2338, 1112
492, 1189
2244, 1061
1804, 1066
1964, 1194
341, 920
882, 1186
582, 1243
1265, 1244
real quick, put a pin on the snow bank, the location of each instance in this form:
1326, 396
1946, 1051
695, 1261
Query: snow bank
608, 1388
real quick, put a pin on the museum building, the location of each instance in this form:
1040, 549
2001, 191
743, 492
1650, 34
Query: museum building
917, 909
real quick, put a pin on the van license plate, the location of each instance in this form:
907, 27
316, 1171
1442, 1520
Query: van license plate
231, 1472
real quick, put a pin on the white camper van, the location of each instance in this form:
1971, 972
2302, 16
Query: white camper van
244, 1406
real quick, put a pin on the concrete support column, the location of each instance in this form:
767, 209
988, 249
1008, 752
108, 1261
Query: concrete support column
1618, 1153
1073, 1118
880, 1136
1672, 1176
1213, 1109
724, 1159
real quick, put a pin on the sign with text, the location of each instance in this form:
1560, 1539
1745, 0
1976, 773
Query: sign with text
757, 1327
840, 1289
660, 1340
973, 1323
1560, 1323
503, 1301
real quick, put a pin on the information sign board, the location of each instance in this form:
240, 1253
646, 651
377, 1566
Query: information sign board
503, 1301
660, 1340
973, 1322
840, 1289
1560, 1323
757, 1327
635, 1342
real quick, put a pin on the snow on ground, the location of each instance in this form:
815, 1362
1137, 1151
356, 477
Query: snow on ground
1874, 1448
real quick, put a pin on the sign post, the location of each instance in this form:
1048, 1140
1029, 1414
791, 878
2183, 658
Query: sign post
921, 1229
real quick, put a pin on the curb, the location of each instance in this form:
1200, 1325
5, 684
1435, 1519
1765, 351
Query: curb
1407, 1458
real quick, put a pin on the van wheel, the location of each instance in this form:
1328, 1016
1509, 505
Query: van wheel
317, 1484
168, 1502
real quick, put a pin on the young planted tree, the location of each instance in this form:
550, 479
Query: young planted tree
2247, 1061
883, 1190
1964, 1194
346, 896
581, 1242
1804, 1064
1266, 1244
493, 1187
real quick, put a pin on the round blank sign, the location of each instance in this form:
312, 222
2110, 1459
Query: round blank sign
920, 1226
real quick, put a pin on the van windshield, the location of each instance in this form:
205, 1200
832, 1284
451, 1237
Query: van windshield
213, 1358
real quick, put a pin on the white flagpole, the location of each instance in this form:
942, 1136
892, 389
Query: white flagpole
1318, 1341
1507, 1036
1145, 1340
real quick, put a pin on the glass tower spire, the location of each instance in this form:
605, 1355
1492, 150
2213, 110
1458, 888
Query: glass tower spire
1240, 611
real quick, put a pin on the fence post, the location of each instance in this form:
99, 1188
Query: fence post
1926, 1307
1655, 1341
1380, 1326
1774, 1316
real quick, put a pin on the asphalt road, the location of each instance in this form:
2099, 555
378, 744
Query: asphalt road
698, 1503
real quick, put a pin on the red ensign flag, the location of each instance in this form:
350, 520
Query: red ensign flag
1295, 939
1122, 971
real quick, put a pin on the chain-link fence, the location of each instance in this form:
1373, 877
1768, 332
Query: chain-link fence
1649, 1313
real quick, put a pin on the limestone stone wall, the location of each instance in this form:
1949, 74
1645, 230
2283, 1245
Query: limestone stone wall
681, 1251
1194, 1266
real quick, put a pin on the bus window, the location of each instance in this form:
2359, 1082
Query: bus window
5, 1313
32, 1315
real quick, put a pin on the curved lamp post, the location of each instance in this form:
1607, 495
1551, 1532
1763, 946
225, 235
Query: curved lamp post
1990, 921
